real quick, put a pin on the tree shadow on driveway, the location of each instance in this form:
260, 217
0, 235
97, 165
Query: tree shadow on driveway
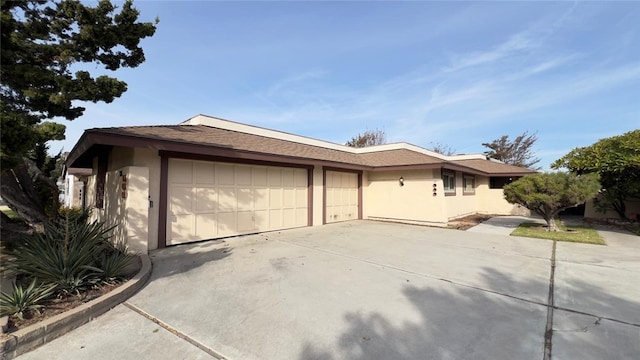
461, 322
184, 258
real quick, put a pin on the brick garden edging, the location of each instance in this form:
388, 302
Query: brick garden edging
31, 337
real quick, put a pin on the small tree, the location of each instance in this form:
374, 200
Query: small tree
46, 45
617, 161
517, 152
546, 194
368, 138
442, 149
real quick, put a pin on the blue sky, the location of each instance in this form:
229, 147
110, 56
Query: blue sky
452, 73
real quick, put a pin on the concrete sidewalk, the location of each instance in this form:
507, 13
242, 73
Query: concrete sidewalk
502, 225
370, 290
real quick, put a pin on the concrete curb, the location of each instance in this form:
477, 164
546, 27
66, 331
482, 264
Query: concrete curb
29, 338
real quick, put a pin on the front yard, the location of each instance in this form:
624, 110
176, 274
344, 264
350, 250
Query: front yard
570, 233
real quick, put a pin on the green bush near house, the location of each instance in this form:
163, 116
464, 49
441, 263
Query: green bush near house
570, 233
70, 256
22, 301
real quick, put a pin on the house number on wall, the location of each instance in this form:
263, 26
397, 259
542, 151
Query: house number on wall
123, 186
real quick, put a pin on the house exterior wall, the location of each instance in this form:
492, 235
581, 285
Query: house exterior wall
120, 157
150, 159
73, 191
632, 207
494, 203
491, 201
385, 199
460, 204
137, 213
318, 196
129, 213
125, 206
90, 195
414, 202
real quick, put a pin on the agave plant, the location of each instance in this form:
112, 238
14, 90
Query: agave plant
21, 301
114, 262
66, 254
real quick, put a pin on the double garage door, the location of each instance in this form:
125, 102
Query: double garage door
210, 200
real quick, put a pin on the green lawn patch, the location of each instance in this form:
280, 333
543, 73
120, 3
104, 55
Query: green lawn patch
572, 233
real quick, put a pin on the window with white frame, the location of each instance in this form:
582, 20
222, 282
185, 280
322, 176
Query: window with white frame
449, 182
468, 184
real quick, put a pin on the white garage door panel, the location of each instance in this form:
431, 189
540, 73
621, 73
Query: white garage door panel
226, 224
245, 199
182, 228
205, 174
261, 219
206, 199
245, 222
209, 200
181, 173
341, 196
301, 198
181, 203
205, 225
261, 198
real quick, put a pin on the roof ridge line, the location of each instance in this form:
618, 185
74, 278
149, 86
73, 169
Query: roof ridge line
220, 123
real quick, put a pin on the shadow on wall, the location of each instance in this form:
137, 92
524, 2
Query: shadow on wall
466, 323
210, 200
208, 213
126, 207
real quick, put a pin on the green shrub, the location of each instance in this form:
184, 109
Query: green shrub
66, 254
23, 301
113, 263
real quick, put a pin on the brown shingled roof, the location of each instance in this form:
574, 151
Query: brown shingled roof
216, 137
490, 167
398, 157
215, 141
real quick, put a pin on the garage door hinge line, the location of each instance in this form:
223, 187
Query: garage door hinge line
177, 332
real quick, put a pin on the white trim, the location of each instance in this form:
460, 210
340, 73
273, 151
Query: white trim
256, 130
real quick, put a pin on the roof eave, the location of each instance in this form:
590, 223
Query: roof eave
406, 167
470, 170
91, 139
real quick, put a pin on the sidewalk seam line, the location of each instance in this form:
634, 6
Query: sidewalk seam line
176, 332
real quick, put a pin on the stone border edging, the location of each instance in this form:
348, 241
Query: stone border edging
33, 336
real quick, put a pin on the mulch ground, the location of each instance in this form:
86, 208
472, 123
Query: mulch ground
468, 221
59, 305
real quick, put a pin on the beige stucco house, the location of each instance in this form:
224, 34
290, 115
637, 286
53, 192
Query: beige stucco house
73, 183
208, 178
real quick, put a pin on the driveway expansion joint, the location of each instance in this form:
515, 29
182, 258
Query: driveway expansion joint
427, 276
176, 332
548, 333
599, 317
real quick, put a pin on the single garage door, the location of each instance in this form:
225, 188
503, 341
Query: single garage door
341, 196
209, 200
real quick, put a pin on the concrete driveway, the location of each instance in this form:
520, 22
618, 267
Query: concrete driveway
371, 290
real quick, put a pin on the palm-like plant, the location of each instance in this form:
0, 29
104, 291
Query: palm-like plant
65, 254
113, 263
22, 301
